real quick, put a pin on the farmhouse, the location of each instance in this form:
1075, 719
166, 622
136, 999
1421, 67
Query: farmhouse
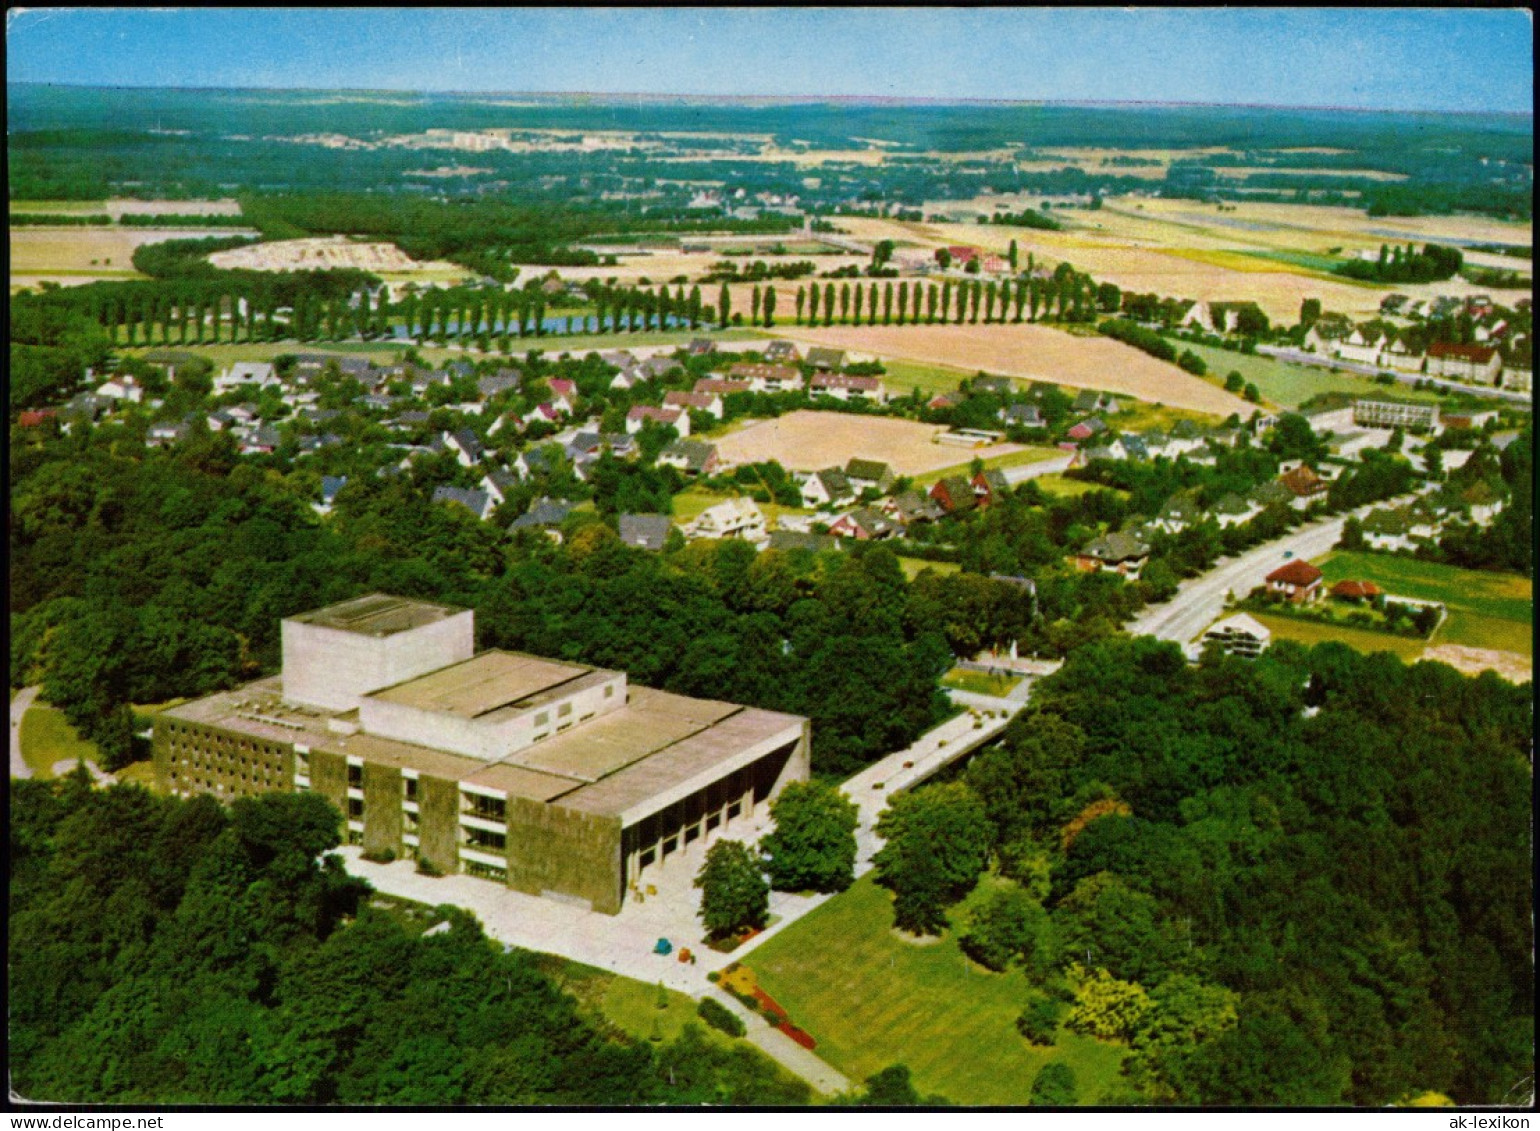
556, 779
1297, 580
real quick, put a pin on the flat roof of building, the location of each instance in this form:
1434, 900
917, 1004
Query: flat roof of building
487, 683
651, 721
377, 614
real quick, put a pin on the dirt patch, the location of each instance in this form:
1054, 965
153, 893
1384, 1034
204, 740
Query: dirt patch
1473, 661
806, 440
1037, 353
913, 940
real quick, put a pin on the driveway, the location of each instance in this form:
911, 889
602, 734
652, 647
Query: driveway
19, 707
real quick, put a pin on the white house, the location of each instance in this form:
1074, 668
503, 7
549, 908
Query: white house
258, 373
734, 518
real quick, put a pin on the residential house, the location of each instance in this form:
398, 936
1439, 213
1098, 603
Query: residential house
1120, 552
564, 394
1479, 364
1518, 377
1355, 591
1133, 447
721, 387
864, 524
1087, 428
1271, 494
1482, 501
842, 386
1179, 513
464, 445
767, 378
620, 359
1022, 416
1232, 510
1185, 436
1240, 635
331, 487
543, 413
82, 408
498, 483
1304, 485
258, 373
35, 417
825, 359
946, 400
910, 507
167, 432
827, 488
645, 531
735, 518
479, 503
220, 421
870, 474
990, 487
660, 365
954, 495
691, 457
1363, 345
1087, 455
545, 514
675, 418
1089, 400
694, 402
504, 380
700, 347
781, 351
627, 378
263, 441
1403, 355
997, 386
1297, 580
121, 388
1326, 334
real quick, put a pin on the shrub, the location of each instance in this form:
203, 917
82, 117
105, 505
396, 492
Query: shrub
425, 867
380, 856
718, 1016
1054, 1087
1039, 1021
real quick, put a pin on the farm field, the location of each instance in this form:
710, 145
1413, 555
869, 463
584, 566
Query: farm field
116, 208
1036, 353
1288, 385
326, 253
807, 440
82, 254
890, 1001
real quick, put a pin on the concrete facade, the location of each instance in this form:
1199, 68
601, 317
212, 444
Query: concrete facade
555, 779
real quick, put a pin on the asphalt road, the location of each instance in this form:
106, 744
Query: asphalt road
1199, 600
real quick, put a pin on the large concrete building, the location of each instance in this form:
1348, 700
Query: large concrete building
555, 778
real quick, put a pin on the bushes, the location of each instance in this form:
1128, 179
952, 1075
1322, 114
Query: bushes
718, 1016
1192, 363
1131, 333
1039, 1021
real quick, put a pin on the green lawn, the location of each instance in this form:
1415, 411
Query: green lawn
1012, 459
913, 567
1071, 488
1311, 633
980, 683
903, 377
872, 1000
1288, 385
47, 738
1486, 610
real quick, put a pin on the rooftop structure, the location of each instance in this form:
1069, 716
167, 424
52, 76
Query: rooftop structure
556, 778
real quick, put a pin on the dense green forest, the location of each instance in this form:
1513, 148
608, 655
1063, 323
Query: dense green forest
1301, 880
164, 951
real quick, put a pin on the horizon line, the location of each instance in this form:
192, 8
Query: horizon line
802, 98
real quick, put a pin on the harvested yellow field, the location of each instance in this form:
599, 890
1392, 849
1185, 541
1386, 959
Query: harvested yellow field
116, 208
806, 440
1037, 353
107, 252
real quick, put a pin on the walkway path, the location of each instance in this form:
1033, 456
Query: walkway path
19, 707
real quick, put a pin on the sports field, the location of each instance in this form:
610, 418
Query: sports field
1037, 353
807, 440
873, 999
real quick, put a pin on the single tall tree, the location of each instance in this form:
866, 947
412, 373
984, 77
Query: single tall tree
734, 892
813, 845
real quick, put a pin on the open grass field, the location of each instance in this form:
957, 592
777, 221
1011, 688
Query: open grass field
980, 683
872, 999
913, 567
1288, 385
1037, 353
1310, 633
47, 739
689, 504
807, 440
1063, 488
1486, 610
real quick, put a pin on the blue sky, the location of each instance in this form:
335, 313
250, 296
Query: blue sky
1409, 59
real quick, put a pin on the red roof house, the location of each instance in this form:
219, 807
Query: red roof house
1297, 580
